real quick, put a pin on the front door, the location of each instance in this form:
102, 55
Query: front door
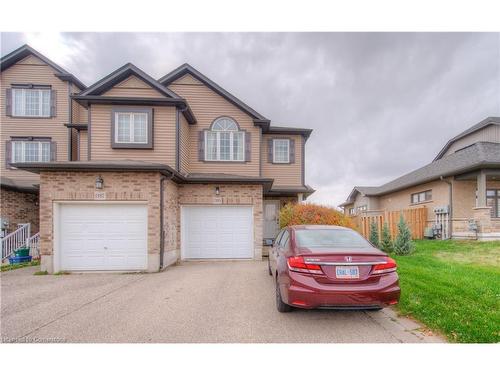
271, 219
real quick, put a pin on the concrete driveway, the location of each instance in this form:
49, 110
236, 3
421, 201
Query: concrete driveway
230, 301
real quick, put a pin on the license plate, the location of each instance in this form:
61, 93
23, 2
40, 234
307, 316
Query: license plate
347, 272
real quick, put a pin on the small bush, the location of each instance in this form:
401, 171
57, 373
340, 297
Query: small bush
309, 213
40, 273
374, 239
386, 244
403, 244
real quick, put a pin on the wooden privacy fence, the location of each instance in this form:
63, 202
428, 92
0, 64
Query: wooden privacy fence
416, 218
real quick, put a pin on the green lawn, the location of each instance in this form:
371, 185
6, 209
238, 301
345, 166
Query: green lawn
453, 287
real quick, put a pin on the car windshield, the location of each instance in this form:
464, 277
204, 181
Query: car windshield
330, 238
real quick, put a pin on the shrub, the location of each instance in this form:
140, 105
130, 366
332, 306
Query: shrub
386, 244
374, 239
309, 213
403, 244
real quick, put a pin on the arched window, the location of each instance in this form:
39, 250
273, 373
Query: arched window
224, 141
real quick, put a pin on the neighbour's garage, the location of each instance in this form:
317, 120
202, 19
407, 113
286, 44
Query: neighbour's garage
212, 232
101, 236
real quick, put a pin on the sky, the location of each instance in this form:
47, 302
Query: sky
380, 104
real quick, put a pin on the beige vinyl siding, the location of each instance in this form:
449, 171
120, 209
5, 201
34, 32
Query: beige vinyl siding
184, 144
79, 113
163, 138
133, 87
83, 145
207, 106
283, 174
488, 134
32, 70
187, 79
74, 144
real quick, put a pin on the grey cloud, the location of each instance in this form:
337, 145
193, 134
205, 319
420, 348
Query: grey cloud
380, 104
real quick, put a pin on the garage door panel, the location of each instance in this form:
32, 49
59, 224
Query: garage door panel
103, 237
217, 232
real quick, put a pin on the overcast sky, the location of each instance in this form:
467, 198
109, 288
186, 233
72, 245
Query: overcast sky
380, 104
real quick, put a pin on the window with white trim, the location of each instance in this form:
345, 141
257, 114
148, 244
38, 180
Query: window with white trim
31, 102
224, 141
30, 151
281, 151
422, 196
131, 127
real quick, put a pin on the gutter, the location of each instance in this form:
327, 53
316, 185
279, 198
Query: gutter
450, 222
162, 217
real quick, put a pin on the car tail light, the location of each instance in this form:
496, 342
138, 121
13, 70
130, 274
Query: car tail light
297, 264
389, 266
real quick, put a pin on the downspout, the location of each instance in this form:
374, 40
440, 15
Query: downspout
162, 217
450, 185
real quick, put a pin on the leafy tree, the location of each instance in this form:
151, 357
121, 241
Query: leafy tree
374, 238
386, 244
308, 213
403, 244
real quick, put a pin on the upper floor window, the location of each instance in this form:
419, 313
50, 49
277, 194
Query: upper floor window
31, 102
281, 151
422, 196
224, 141
362, 208
352, 211
30, 151
493, 201
132, 129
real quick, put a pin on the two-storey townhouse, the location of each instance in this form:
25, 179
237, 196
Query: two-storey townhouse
36, 105
164, 170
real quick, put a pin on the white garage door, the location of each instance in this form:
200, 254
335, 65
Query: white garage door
217, 232
102, 237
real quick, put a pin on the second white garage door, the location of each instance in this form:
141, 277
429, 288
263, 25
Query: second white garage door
102, 237
212, 232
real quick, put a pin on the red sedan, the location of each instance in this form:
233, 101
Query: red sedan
330, 267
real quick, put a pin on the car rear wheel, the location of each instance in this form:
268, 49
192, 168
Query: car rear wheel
280, 305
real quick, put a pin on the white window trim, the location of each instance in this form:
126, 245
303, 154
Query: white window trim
231, 146
23, 151
287, 154
131, 128
23, 102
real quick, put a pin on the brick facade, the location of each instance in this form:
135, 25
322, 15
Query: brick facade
141, 186
19, 207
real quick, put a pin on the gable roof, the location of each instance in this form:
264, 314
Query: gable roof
188, 69
481, 125
93, 92
119, 75
24, 51
365, 190
288, 130
473, 157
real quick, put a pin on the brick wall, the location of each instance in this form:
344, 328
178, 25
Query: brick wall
118, 186
230, 195
18, 207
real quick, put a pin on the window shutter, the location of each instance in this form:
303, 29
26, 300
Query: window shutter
201, 145
270, 150
248, 145
53, 103
292, 151
53, 151
8, 154
8, 102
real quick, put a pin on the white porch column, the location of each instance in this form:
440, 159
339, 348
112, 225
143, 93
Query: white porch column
481, 189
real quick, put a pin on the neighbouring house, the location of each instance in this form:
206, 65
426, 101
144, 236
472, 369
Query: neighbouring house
134, 174
460, 188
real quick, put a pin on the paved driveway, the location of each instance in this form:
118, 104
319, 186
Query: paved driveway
230, 301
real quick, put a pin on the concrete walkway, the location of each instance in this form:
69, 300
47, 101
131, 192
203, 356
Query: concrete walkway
214, 302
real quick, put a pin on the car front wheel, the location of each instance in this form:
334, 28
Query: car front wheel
280, 305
